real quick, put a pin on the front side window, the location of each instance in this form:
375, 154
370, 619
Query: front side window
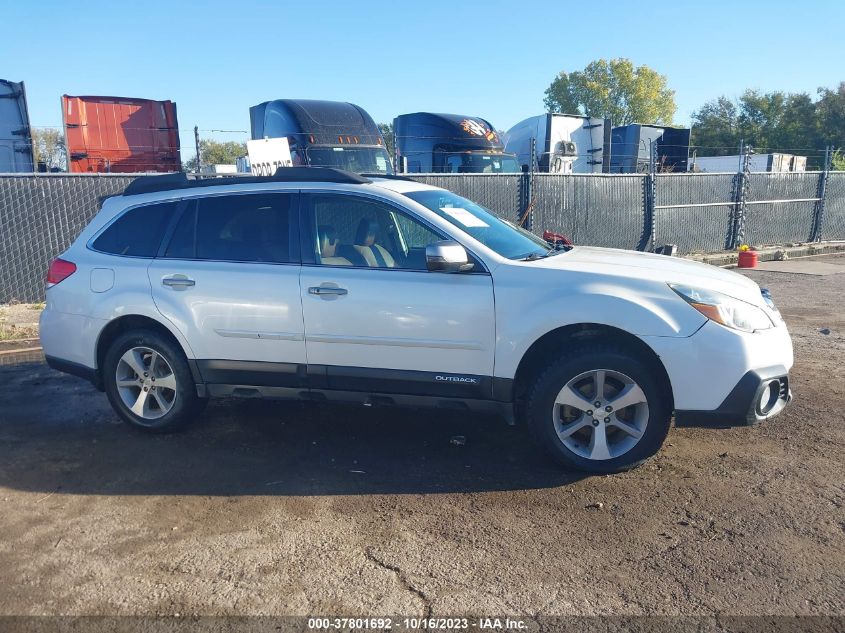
240, 228
354, 231
505, 238
138, 232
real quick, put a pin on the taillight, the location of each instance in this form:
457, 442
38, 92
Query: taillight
60, 269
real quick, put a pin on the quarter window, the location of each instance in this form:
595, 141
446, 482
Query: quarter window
138, 232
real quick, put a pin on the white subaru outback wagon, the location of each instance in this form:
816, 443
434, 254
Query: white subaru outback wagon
326, 285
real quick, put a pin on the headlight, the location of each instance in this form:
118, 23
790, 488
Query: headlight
723, 309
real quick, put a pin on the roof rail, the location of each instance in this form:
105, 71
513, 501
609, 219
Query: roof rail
389, 177
180, 180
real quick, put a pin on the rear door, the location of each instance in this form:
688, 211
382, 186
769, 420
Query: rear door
376, 319
228, 278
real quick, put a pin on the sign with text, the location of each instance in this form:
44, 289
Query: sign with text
267, 155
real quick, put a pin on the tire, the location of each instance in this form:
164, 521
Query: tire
159, 401
561, 396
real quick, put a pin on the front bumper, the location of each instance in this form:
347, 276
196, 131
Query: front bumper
760, 394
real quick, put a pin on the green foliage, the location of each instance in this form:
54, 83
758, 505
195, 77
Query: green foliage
830, 113
216, 153
386, 130
772, 122
837, 162
48, 147
613, 89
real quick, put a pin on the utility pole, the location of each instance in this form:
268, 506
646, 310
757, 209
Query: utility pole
197, 142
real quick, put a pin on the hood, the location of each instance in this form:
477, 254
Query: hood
648, 266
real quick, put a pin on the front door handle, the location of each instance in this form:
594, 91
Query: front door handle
178, 281
327, 290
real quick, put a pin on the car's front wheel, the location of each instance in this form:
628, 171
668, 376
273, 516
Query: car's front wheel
598, 409
149, 383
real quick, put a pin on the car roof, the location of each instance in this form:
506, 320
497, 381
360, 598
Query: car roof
166, 186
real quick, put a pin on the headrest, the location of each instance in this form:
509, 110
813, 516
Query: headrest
366, 228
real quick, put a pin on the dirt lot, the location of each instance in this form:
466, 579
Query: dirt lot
267, 508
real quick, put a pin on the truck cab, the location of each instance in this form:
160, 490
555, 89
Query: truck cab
428, 142
320, 134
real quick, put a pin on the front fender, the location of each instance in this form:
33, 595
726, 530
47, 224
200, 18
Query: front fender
524, 313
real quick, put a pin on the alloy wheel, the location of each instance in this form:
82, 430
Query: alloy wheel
600, 414
146, 383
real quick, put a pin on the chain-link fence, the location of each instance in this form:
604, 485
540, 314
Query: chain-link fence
694, 211
497, 192
781, 207
600, 210
833, 215
40, 215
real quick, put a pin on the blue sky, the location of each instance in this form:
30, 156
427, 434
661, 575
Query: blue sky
491, 59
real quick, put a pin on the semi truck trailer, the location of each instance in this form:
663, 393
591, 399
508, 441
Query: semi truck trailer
120, 135
15, 134
562, 143
631, 147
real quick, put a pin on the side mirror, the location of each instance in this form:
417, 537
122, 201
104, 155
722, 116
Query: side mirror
446, 257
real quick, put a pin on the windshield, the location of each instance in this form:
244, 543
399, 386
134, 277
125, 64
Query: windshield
359, 160
505, 238
473, 163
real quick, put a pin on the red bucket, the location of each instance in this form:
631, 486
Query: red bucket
747, 259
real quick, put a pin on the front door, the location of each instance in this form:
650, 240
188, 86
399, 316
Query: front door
228, 279
376, 319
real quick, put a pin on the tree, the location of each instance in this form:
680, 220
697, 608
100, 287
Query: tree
217, 153
769, 122
48, 147
613, 89
830, 112
715, 127
386, 130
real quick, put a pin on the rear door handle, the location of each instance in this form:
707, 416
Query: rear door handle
327, 290
178, 281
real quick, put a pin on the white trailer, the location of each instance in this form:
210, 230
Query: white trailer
759, 162
564, 143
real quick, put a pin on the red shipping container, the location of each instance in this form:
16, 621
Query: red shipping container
120, 135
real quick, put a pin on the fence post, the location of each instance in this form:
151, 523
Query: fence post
649, 232
818, 215
743, 188
524, 215
652, 175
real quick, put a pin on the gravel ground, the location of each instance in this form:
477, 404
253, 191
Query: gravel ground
19, 321
269, 508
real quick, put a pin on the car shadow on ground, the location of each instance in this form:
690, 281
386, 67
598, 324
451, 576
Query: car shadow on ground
58, 434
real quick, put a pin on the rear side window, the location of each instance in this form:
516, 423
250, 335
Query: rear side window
138, 232
241, 228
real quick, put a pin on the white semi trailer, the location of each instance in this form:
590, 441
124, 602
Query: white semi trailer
759, 162
563, 143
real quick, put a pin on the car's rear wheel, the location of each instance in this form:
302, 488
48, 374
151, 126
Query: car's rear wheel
149, 383
599, 410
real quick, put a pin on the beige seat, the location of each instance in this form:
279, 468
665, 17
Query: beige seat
375, 255
328, 242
